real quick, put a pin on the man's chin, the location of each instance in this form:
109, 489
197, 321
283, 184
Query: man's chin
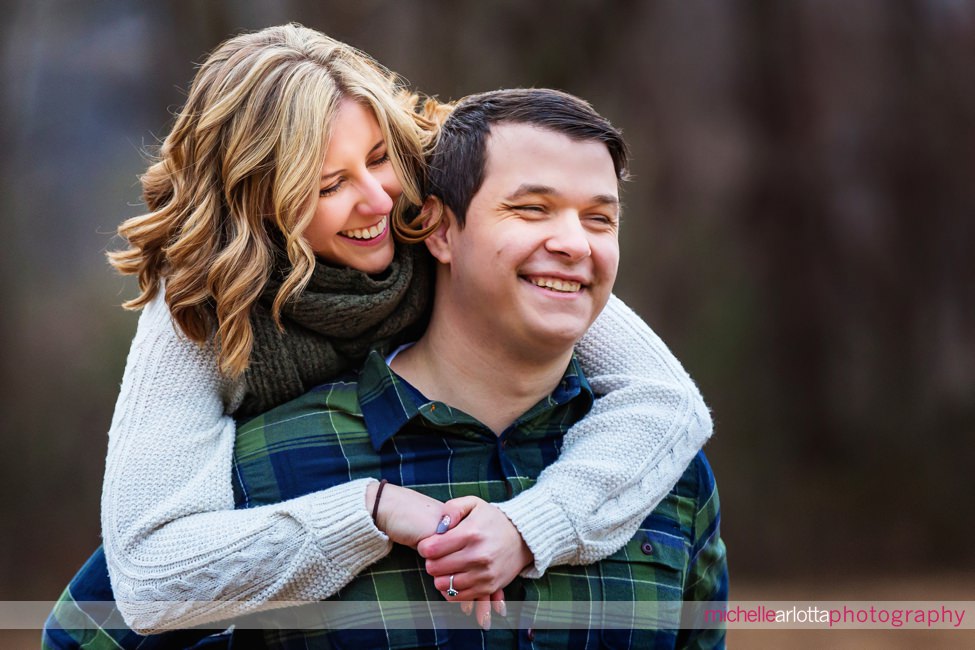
558, 335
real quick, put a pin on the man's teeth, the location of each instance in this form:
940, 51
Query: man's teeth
557, 285
366, 233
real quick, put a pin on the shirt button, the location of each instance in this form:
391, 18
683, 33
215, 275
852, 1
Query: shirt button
530, 634
646, 548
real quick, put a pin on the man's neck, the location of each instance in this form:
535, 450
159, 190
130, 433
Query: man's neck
485, 381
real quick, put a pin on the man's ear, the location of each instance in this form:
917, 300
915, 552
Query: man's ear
438, 216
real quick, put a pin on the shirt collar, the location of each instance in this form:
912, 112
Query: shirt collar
388, 401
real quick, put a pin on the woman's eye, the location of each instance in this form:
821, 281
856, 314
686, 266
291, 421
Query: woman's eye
330, 190
382, 160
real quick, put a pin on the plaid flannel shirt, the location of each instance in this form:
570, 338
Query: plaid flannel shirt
377, 425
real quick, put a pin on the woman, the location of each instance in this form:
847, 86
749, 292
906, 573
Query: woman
267, 266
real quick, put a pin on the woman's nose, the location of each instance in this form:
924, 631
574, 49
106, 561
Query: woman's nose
375, 199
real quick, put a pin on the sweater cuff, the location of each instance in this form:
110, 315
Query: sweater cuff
545, 528
344, 529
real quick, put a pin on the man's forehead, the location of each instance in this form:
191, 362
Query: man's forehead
507, 135
525, 154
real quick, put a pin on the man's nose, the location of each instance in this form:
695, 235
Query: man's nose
375, 199
569, 238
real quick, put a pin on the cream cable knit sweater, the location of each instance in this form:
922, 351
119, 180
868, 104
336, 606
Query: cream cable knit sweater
180, 555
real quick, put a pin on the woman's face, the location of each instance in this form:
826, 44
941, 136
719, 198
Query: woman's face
358, 186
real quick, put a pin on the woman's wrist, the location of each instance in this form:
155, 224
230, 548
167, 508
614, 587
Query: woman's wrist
371, 490
404, 515
380, 500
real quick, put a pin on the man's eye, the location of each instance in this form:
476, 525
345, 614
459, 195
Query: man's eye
528, 208
601, 219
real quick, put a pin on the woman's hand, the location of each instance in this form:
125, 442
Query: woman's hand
405, 515
483, 552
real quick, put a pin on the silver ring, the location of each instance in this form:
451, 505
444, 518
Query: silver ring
450, 588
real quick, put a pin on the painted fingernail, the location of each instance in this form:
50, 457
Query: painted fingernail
467, 607
501, 608
486, 621
444, 525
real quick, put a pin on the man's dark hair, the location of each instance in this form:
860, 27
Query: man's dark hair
456, 165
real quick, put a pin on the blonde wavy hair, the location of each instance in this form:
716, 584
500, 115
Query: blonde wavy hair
242, 161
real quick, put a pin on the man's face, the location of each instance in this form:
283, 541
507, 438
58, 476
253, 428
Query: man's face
536, 260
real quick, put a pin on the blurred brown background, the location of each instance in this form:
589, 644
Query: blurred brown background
799, 230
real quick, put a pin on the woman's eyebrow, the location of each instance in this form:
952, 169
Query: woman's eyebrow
376, 147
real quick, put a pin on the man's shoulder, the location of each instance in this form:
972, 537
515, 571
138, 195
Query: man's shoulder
697, 479
340, 394
698, 487
691, 509
327, 401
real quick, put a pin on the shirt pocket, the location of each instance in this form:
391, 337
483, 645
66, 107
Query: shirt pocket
650, 567
621, 601
643, 590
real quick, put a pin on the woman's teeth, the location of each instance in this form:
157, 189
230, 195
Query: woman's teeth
554, 284
366, 233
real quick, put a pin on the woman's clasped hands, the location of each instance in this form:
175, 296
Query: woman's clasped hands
475, 549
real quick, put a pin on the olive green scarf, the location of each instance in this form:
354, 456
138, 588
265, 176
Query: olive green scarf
332, 325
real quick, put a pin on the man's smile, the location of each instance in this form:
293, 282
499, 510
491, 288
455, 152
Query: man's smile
555, 284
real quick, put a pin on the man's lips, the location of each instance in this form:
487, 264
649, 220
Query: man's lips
559, 283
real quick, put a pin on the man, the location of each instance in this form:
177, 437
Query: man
524, 184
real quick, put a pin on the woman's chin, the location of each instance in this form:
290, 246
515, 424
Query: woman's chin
375, 263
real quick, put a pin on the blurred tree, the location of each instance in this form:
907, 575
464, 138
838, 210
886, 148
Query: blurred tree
798, 229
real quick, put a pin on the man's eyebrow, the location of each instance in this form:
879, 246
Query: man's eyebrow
529, 189
606, 199
376, 147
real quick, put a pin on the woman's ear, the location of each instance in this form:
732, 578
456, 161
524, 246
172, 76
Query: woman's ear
440, 218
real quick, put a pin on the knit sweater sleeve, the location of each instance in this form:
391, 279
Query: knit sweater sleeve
620, 461
178, 553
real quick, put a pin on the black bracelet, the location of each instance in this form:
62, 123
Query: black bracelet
379, 493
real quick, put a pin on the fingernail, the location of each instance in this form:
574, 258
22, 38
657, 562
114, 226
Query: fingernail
444, 525
486, 621
501, 608
467, 606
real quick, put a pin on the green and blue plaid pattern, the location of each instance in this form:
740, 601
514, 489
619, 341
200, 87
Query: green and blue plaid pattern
85, 617
376, 425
